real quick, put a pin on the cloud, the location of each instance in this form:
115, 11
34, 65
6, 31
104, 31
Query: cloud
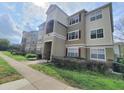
7, 7
42, 4
10, 8
8, 29
33, 15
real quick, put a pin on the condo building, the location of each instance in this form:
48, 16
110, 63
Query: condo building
29, 41
85, 34
39, 45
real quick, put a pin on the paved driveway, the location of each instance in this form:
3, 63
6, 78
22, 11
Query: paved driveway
36, 79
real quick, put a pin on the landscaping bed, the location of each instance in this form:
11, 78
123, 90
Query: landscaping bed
79, 64
7, 73
83, 79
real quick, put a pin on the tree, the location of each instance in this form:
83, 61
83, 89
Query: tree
119, 28
4, 44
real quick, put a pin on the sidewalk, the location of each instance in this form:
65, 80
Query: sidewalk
17, 85
37, 79
34, 62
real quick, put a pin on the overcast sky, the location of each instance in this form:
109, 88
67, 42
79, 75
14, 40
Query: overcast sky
18, 17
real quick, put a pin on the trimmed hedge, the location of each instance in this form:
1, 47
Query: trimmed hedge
78, 64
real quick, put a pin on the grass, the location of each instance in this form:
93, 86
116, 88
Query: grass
7, 73
16, 57
83, 79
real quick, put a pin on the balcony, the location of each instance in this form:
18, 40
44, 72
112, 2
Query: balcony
49, 27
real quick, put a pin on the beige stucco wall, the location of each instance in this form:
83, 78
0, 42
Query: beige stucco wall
78, 26
58, 47
105, 23
58, 15
59, 29
58, 44
83, 53
88, 53
51, 16
61, 17
109, 54
48, 37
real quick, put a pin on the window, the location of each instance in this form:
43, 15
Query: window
72, 52
92, 19
93, 34
97, 54
74, 19
97, 33
73, 35
49, 27
96, 17
100, 33
93, 53
99, 16
101, 54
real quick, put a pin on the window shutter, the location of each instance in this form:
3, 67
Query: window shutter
66, 51
67, 36
79, 52
79, 34
80, 17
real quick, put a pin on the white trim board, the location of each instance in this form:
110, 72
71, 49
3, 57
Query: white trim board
54, 34
110, 46
75, 45
84, 45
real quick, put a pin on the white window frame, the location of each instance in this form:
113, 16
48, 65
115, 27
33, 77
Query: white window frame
68, 48
102, 32
72, 32
96, 34
95, 15
74, 18
97, 59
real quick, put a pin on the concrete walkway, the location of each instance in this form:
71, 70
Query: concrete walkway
16, 85
34, 62
37, 79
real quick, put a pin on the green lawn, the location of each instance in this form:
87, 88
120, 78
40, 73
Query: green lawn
82, 79
7, 73
16, 57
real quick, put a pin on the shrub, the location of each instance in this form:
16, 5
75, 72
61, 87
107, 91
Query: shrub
80, 64
121, 60
118, 67
31, 55
14, 52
